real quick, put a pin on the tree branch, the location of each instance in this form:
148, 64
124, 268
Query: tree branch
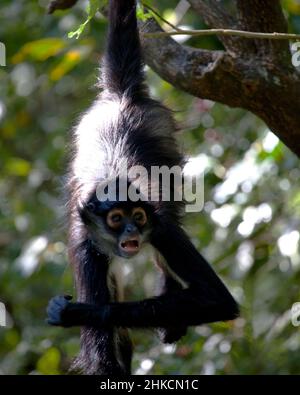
215, 16
213, 13
225, 32
267, 87
196, 71
266, 16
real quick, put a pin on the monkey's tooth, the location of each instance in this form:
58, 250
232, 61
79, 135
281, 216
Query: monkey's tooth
130, 245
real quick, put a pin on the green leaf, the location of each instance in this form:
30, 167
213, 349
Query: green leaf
91, 10
39, 49
142, 14
77, 33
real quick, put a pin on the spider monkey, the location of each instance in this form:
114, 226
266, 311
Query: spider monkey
124, 122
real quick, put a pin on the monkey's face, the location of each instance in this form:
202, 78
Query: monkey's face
122, 230
129, 227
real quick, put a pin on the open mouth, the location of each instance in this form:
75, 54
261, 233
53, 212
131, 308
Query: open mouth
130, 245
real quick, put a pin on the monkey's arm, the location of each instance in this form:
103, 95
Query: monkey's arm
166, 285
206, 299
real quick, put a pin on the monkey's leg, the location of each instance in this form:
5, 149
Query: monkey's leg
99, 351
125, 349
206, 299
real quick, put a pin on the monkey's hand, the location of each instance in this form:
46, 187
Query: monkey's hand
61, 312
58, 311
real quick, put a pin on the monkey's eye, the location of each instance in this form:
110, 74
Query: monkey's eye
114, 218
139, 216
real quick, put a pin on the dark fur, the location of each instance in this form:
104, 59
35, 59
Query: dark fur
125, 123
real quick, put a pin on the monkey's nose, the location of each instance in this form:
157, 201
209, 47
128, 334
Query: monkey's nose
130, 228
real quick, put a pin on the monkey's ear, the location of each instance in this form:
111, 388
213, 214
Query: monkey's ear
90, 209
87, 211
83, 214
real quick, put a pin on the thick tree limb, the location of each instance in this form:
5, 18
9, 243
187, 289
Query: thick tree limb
215, 16
268, 88
188, 69
213, 13
266, 16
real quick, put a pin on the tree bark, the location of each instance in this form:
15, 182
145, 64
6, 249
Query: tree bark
256, 75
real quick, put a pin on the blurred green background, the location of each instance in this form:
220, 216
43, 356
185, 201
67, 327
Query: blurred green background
248, 230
